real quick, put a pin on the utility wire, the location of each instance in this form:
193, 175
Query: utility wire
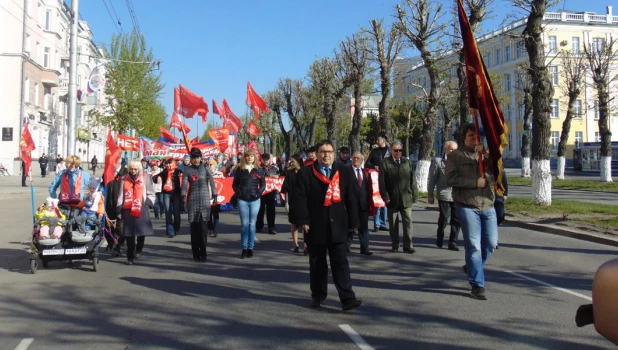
111, 17
114, 10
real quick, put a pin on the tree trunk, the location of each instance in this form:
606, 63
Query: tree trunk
357, 120
385, 118
525, 138
606, 135
542, 94
564, 138
330, 121
525, 167
560, 167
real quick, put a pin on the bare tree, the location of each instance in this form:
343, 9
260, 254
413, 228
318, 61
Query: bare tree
354, 56
275, 102
383, 50
295, 103
601, 56
573, 74
542, 95
326, 77
419, 23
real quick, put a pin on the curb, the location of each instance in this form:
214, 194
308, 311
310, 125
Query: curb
554, 230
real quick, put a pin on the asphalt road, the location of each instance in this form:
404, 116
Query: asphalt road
420, 301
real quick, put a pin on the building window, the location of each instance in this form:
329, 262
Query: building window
498, 56
46, 57
520, 49
520, 140
579, 137
597, 136
575, 45
598, 44
508, 112
48, 18
596, 110
577, 109
46, 98
520, 112
553, 44
507, 82
554, 74
507, 53
555, 109
510, 142
36, 94
555, 137
27, 90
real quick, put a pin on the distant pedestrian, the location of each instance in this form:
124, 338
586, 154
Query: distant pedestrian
474, 196
267, 201
363, 192
170, 201
311, 156
43, 161
58, 160
376, 156
448, 214
290, 189
249, 184
93, 163
111, 208
398, 190
344, 156
136, 196
156, 183
198, 188
24, 175
215, 208
61, 165
328, 212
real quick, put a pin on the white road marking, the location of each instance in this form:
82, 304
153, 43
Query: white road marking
550, 285
355, 337
24, 344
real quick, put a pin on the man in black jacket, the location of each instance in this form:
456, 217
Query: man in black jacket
327, 211
362, 191
43, 163
267, 203
376, 156
111, 205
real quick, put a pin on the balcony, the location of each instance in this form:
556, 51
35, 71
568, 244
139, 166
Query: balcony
50, 78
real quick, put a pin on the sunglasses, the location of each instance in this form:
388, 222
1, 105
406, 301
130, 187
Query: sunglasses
398, 150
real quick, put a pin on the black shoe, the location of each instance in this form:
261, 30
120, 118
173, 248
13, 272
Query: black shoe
138, 255
584, 315
296, 250
305, 251
316, 303
351, 304
129, 262
478, 293
496, 246
376, 229
384, 228
465, 269
272, 231
203, 258
439, 242
394, 250
215, 233
250, 253
244, 254
368, 253
409, 250
453, 247
347, 249
196, 258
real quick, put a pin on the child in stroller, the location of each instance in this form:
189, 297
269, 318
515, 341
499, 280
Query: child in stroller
47, 213
89, 212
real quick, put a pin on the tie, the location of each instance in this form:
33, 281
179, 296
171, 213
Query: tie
398, 162
327, 172
359, 178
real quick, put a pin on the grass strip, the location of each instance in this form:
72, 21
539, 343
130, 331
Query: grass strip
570, 184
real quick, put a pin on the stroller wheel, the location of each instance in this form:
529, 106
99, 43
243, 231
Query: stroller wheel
95, 263
34, 265
45, 263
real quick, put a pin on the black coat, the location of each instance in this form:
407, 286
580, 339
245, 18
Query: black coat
249, 186
111, 194
290, 188
362, 192
43, 162
327, 225
176, 180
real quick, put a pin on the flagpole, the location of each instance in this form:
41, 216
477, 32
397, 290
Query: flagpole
475, 114
32, 192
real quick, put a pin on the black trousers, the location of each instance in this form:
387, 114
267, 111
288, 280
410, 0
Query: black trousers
363, 232
132, 249
448, 216
44, 171
199, 239
339, 266
214, 217
23, 179
500, 211
267, 201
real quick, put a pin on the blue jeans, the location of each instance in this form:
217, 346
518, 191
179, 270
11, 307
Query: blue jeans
170, 204
159, 209
480, 231
248, 215
379, 220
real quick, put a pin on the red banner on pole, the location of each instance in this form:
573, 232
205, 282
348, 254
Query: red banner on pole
128, 143
253, 129
220, 138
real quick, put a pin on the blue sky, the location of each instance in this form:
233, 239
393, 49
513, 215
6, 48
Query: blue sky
214, 47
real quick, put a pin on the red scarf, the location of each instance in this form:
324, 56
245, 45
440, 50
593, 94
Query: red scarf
134, 194
333, 194
65, 189
169, 184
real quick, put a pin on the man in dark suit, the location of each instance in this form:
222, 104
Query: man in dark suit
362, 191
111, 205
398, 189
327, 211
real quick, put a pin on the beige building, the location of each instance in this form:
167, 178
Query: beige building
502, 55
34, 62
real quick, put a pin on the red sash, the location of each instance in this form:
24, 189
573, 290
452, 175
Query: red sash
333, 194
134, 194
169, 184
65, 189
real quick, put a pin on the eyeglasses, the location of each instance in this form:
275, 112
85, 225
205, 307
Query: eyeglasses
326, 152
398, 150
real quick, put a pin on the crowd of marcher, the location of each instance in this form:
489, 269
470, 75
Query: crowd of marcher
328, 198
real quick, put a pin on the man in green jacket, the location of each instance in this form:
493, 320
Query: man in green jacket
398, 190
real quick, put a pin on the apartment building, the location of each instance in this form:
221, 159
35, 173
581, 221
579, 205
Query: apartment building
34, 64
503, 54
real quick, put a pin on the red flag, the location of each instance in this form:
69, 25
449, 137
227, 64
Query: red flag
176, 100
26, 145
195, 140
220, 138
231, 121
191, 103
253, 129
178, 124
252, 145
111, 156
187, 141
483, 101
255, 102
218, 110
166, 134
